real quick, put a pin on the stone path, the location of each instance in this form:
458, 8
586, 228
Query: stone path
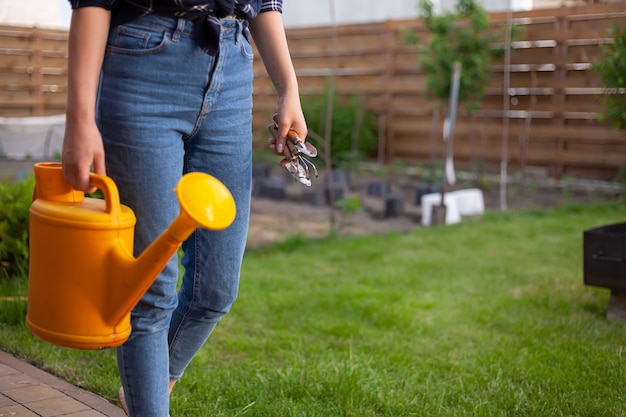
26, 391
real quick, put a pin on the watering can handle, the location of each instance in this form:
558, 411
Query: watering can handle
111, 195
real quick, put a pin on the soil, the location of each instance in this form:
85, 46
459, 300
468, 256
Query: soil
294, 209
275, 219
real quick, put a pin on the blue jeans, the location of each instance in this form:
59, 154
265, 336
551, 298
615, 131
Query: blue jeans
166, 108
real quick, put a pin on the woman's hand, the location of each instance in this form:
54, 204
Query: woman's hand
289, 117
269, 35
82, 143
82, 149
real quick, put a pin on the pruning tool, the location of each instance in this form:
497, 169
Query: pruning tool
295, 153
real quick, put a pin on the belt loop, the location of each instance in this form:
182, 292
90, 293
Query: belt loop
239, 32
180, 27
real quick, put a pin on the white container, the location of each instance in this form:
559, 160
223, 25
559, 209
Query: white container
469, 201
452, 208
36, 138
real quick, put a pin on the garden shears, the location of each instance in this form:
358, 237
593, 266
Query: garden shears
295, 153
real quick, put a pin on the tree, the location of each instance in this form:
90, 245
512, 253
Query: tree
612, 71
463, 36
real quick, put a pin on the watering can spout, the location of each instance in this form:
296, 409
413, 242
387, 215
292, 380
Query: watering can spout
204, 202
83, 279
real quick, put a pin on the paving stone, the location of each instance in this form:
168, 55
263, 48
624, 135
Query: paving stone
6, 370
57, 406
16, 411
12, 381
26, 391
5, 401
88, 413
32, 393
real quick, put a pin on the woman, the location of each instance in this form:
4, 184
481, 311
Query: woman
158, 88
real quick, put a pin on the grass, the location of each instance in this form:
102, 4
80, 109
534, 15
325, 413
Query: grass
484, 318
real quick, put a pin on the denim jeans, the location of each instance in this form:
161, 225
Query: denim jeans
166, 108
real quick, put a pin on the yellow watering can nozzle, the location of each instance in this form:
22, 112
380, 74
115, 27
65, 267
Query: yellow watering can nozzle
206, 200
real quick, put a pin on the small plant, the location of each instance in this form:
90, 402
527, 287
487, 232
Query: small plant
566, 192
434, 175
354, 133
15, 199
348, 207
612, 71
621, 174
349, 204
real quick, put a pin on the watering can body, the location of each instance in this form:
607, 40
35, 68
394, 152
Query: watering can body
83, 278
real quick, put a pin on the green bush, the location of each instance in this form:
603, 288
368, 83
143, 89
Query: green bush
612, 71
352, 124
15, 199
13, 303
464, 35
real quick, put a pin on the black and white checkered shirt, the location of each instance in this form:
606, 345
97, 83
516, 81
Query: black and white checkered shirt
208, 13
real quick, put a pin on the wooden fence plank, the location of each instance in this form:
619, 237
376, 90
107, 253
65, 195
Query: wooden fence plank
555, 96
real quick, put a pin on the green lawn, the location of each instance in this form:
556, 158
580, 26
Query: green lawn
486, 318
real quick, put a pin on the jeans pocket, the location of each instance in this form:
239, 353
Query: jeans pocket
246, 48
130, 40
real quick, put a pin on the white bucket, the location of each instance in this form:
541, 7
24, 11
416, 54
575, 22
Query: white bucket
452, 209
36, 138
469, 201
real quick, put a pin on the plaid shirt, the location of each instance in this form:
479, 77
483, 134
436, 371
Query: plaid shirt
207, 12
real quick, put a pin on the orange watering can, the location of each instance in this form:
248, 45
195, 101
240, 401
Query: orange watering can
83, 278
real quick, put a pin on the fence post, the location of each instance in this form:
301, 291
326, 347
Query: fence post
36, 74
385, 131
560, 76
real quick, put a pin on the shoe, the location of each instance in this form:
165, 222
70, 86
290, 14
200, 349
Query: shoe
122, 400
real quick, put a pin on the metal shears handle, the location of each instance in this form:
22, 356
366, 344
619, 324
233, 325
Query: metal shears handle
295, 153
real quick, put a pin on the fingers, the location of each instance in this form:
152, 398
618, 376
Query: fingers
77, 176
274, 143
77, 169
98, 168
282, 130
277, 142
98, 165
82, 149
271, 142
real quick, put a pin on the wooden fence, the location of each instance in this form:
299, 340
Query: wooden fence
33, 71
554, 96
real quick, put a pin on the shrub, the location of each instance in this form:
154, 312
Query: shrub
15, 199
464, 36
612, 71
354, 133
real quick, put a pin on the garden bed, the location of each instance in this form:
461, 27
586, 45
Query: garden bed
273, 220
